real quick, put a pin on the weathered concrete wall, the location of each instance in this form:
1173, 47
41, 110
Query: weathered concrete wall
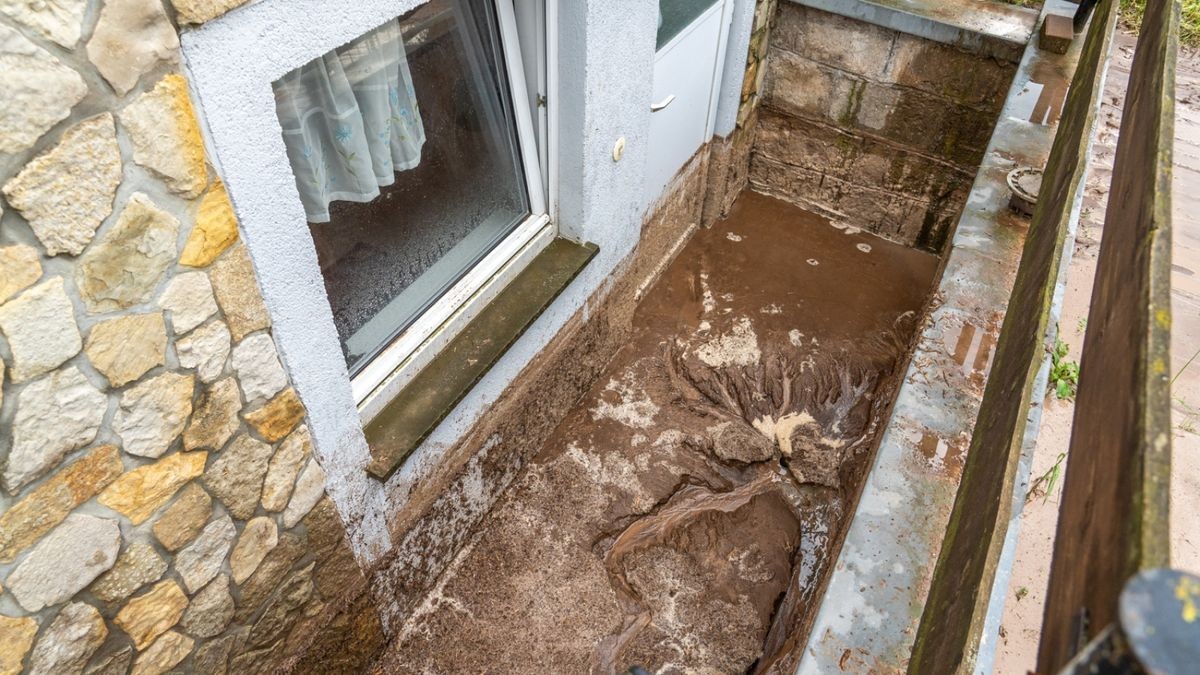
161, 508
885, 136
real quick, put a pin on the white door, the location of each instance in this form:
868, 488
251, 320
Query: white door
685, 81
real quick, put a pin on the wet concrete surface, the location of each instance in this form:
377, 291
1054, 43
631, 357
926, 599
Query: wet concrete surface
684, 514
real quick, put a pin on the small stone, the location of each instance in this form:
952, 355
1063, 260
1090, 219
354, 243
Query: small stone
131, 37
66, 561
211, 609
202, 559
123, 269
189, 298
215, 230
113, 664
55, 415
67, 191
180, 524
70, 640
137, 566
139, 493
738, 442
278, 416
310, 487
166, 138
127, 347
16, 637
149, 615
59, 20
258, 538
236, 477
201, 11
283, 469
19, 269
166, 653
237, 293
41, 330
216, 418
206, 349
48, 505
258, 368
39, 91
152, 414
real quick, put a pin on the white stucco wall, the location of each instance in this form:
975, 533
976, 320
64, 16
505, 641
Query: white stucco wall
606, 50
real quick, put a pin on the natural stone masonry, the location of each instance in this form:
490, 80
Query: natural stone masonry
19, 269
131, 37
151, 614
278, 416
125, 348
206, 349
123, 269
236, 477
55, 415
189, 298
65, 562
202, 559
258, 538
310, 487
258, 368
215, 229
138, 565
66, 645
56, 20
41, 330
211, 609
200, 11
166, 138
216, 418
153, 413
141, 492
284, 468
180, 523
39, 91
164, 654
237, 293
16, 637
68, 191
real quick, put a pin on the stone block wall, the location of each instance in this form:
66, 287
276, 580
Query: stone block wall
874, 128
160, 507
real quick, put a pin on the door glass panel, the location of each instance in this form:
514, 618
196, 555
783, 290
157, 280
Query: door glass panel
404, 147
675, 15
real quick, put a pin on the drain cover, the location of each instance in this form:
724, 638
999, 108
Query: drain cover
1025, 183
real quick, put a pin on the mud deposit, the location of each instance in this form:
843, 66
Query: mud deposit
683, 516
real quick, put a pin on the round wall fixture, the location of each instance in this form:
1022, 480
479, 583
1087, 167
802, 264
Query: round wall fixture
1025, 183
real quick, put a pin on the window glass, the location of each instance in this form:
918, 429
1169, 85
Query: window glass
675, 15
404, 147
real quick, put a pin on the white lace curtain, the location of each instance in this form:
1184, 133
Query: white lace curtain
350, 121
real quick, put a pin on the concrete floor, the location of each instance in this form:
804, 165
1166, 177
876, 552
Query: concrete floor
683, 515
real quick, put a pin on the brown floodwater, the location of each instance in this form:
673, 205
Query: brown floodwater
684, 515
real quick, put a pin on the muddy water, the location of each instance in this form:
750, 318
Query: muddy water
683, 516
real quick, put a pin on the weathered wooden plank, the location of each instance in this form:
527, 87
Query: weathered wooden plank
954, 612
1113, 520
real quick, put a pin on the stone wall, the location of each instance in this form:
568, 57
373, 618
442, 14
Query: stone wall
160, 507
874, 128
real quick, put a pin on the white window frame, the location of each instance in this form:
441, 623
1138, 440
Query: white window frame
237, 57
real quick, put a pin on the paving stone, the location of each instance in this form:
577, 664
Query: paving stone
236, 477
258, 369
39, 90
216, 418
125, 266
67, 191
189, 298
310, 487
206, 349
55, 415
151, 614
19, 269
41, 330
153, 414
283, 469
35, 515
237, 293
166, 653
211, 610
202, 559
139, 493
65, 561
127, 347
184, 519
69, 642
166, 138
277, 417
131, 37
138, 565
16, 637
215, 230
59, 21
258, 538
200, 11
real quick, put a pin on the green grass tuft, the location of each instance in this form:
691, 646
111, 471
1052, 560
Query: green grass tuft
1189, 21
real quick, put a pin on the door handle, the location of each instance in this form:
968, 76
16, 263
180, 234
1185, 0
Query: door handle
655, 107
